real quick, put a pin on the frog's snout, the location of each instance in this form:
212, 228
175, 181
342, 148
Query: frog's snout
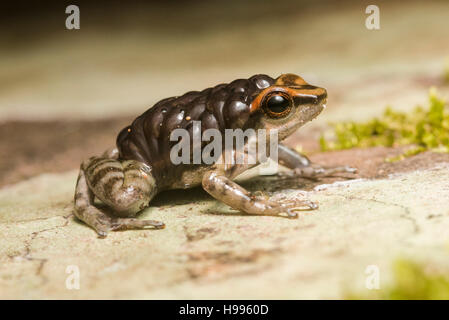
324, 101
322, 96
312, 96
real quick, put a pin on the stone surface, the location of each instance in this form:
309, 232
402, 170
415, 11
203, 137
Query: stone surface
209, 251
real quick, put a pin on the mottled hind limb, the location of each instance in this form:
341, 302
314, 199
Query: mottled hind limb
122, 185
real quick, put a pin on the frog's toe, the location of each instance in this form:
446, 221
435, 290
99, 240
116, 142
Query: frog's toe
312, 205
349, 169
102, 225
342, 169
102, 229
292, 214
102, 233
132, 223
296, 205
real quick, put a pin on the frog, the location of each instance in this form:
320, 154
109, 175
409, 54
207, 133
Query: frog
125, 178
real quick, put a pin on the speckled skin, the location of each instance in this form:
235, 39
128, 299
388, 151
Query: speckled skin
126, 178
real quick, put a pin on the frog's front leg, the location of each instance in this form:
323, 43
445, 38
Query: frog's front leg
302, 166
225, 190
125, 186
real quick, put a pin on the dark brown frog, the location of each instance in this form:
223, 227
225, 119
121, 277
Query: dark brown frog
127, 177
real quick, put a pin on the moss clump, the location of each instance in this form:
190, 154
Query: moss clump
422, 129
411, 282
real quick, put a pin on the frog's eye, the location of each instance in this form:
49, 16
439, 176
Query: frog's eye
277, 105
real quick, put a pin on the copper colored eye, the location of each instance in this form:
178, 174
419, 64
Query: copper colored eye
277, 105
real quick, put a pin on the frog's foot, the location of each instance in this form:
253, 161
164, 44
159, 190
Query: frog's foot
133, 223
315, 172
302, 166
294, 204
103, 224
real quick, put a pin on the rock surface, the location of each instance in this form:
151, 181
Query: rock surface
209, 251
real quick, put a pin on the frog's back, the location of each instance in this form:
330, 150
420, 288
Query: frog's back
225, 106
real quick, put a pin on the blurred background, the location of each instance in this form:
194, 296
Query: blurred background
65, 94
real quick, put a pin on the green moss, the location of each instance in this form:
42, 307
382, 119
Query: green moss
411, 282
422, 129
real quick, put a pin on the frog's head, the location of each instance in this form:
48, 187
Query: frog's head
288, 104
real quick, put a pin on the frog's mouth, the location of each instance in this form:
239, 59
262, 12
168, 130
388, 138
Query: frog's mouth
315, 110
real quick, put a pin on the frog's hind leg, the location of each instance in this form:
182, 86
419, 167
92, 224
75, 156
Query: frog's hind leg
227, 191
125, 186
303, 167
